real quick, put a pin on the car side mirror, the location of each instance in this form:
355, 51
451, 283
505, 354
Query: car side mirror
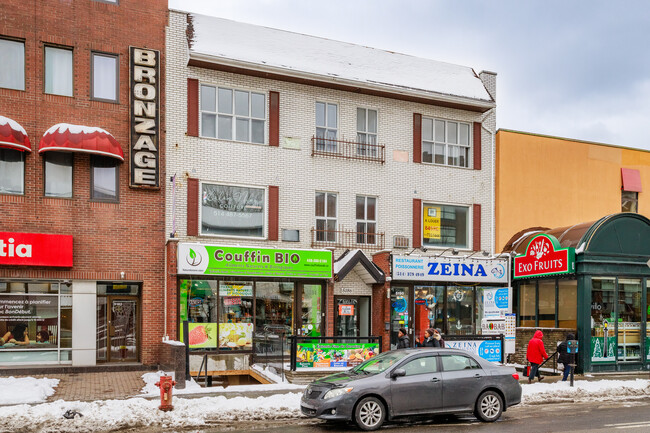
398, 372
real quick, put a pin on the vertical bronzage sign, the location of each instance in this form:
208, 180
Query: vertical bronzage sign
145, 118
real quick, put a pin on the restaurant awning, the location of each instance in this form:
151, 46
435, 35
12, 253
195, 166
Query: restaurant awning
13, 135
64, 137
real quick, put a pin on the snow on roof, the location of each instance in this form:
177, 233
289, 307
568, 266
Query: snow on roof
12, 124
331, 60
342, 261
75, 129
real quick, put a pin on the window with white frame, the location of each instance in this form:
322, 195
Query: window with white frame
58, 71
231, 114
105, 77
12, 171
445, 142
229, 210
326, 214
12, 67
445, 226
366, 132
326, 126
366, 219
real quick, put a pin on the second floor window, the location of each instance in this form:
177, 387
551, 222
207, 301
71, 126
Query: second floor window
366, 219
12, 66
326, 126
233, 114
326, 213
104, 177
445, 226
229, 210
58, 174
12, 171
58, 71
104, 77
445, 142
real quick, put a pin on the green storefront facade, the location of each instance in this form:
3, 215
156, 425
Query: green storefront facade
602, 292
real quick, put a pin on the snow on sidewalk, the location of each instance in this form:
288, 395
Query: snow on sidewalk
25, 389
583, 390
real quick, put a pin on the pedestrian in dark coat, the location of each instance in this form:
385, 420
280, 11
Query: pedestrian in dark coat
536, 354
564, 357
438, 336
403, 340
429, 339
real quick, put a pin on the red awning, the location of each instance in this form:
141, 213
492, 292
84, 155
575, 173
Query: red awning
13, 136
64, 137
631, 180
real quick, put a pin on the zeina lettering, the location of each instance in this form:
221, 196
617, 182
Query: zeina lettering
456, 269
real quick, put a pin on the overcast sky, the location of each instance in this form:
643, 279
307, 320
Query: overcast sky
570, 68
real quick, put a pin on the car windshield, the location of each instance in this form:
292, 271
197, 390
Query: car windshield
380, 362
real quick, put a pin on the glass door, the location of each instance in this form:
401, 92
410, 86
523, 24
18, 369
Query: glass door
400, 313
347, 317
428, 305
311, 310
122, 329
629, 320
460, 309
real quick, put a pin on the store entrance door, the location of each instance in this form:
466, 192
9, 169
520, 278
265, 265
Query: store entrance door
117, 325
352, 316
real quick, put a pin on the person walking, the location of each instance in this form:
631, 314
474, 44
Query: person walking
536, 354
403, 340
438, 336
430, 339
564, 357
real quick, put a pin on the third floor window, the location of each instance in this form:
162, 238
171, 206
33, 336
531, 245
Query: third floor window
231, 114
12, 67
445, 142
326, 126
58, 71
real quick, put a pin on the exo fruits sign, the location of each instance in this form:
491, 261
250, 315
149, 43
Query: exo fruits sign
35, 249
544, 257
196, 259
458, 269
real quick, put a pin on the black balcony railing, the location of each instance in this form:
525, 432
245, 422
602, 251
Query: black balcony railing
330, 147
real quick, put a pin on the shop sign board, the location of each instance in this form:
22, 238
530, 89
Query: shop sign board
493, 326
334, 355
544, 256
197, 259
490, 350
456, 269
35, 249
496, 302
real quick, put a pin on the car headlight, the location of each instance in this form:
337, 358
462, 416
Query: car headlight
336, 392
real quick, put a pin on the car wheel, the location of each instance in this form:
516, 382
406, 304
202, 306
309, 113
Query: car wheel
489, 406
370, 414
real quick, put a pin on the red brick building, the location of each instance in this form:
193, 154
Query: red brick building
82, 80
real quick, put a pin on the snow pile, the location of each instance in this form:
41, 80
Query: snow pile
25, 390
601, 390
268, 372
114, 415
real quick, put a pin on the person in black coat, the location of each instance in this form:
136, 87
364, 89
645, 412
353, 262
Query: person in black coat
403, 340
564, 357
429, 339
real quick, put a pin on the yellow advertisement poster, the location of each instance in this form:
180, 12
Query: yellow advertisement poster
431, 222
236, 336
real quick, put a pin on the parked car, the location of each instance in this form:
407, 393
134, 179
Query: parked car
413, 382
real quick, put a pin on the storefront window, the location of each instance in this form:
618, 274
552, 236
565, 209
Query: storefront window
274, 307
629, 319
546, 308
603, 339
428, 310
460, 308
198, 306
567, 305
311, 309
527, 304
236, 315
647, 325
35, 322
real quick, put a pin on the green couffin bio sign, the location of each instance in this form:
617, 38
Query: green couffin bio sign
197, 259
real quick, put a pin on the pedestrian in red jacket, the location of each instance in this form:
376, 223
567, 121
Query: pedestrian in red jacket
536, 354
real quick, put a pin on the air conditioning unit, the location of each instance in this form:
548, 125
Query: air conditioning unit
400, 241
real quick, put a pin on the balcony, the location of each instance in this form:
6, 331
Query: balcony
346, 239
345, 149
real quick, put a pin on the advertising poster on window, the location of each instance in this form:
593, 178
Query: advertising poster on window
496, 303
235, 289
236, 336
202, 335
490, 350
346, 310
28, 321
431, 226
335, 355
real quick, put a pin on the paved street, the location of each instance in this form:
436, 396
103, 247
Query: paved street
624, 416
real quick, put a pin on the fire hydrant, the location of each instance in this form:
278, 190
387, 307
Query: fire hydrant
166, 384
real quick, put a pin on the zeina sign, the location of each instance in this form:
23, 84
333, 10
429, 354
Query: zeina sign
35, 249
196, 259
544, 256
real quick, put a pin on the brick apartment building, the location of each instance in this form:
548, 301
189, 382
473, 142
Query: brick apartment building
307, 172
81, 181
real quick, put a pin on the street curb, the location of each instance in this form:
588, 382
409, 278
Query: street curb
227, 394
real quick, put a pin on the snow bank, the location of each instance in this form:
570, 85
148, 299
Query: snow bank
583, 390
25, 389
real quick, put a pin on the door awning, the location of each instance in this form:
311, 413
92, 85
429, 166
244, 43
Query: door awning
13, 135
356, 260
64, 137
631, 180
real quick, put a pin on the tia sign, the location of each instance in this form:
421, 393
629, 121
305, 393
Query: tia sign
35, 249
544, 257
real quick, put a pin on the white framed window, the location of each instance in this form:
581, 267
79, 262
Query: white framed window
326, 216
58, 174
326, 126
366, 210
58, 71
445, 226
366, 132
104, 77
12, 171
231, 114
445, 142
12, 67
233, 210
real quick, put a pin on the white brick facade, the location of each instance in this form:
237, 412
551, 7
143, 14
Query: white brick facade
298, 175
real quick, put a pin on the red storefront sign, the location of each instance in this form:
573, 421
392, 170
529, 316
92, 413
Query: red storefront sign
35, 249
544, 257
